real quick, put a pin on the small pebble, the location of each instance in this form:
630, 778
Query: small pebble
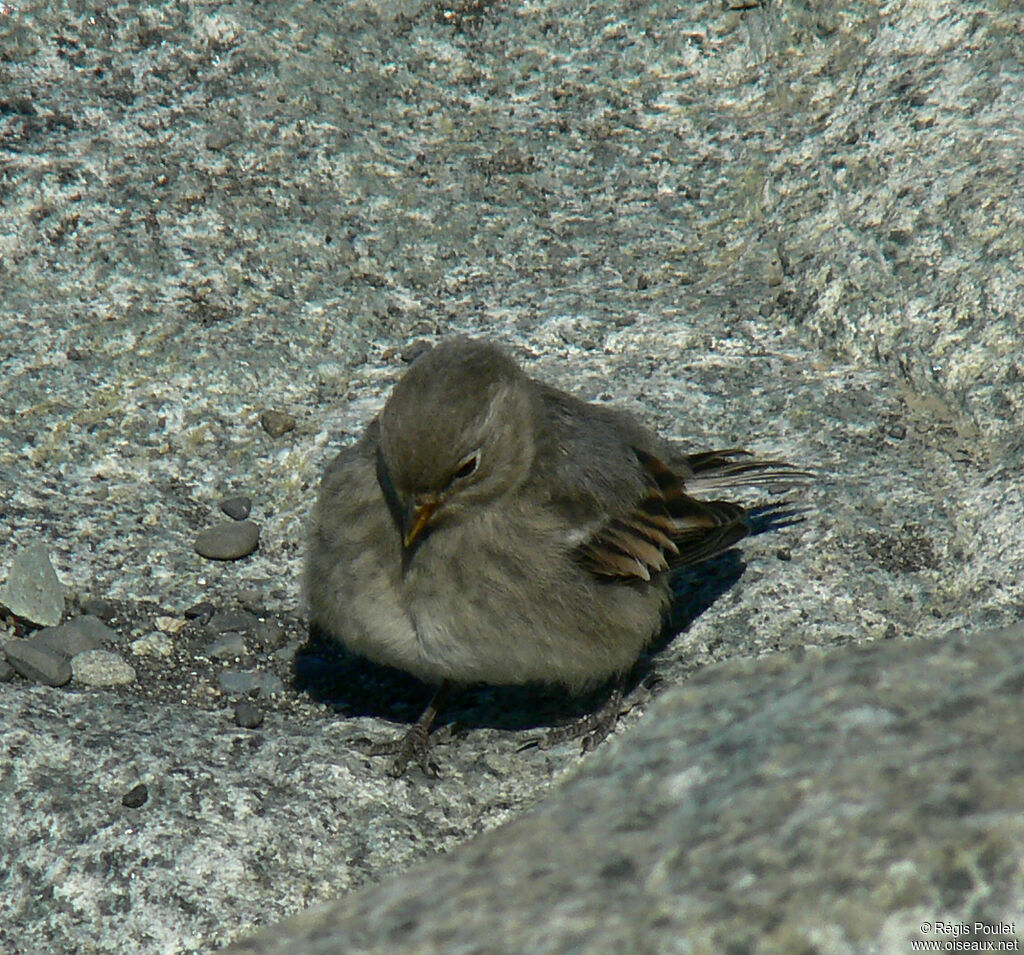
228, 541
244, 682
233, 620
289, 651
268, 634
135, 797
33, 591
102, 668
248, 715
76, 636
230, 646
237, 508
6, 671
38, 663
251, 598
155, 644
276, 423
170, 624
98, 607
202, 611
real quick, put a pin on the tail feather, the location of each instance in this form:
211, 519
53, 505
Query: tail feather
737, 467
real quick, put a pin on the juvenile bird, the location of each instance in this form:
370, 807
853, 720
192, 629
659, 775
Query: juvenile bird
488, 528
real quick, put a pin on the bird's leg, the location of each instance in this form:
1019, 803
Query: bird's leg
591, 728
415, 744
594, 727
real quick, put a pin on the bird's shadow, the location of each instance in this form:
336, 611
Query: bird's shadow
356, 687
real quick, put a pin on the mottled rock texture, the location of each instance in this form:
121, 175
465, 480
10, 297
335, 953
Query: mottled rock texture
797, 227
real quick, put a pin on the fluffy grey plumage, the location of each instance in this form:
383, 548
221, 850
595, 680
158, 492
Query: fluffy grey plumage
490, 528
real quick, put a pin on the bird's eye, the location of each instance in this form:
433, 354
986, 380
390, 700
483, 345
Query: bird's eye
466, 468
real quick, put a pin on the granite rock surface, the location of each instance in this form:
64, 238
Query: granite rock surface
822, 801
797, 227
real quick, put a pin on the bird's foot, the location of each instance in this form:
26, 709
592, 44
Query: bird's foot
416, 744
594, 728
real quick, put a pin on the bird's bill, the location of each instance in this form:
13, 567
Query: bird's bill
418, 516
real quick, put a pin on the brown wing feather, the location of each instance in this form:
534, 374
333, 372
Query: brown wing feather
667, 528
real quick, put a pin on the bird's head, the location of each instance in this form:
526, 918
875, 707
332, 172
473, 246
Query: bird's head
456, 435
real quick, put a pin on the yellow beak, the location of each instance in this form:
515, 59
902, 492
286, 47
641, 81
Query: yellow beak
418, 517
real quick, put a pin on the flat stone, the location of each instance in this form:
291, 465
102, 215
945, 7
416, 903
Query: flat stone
102, 668
171, 625
252, 599
76, 636
155, 644
240, 620
244, 682
37, 662
228, 541
230, 646
66, 644
93, 627
289, 651
33, 591
268, 634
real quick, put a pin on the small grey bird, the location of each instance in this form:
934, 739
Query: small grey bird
488, 528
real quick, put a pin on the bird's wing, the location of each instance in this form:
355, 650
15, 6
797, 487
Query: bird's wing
633, 502
664, 528
629, 514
